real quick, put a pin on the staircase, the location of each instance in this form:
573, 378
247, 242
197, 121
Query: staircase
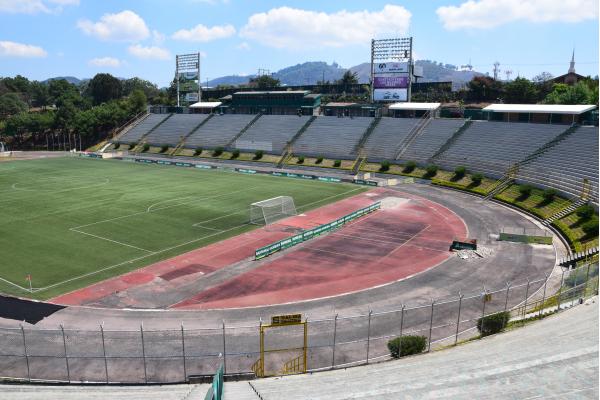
359, 146
183, 138
287, 152
547, 146
451, 140
230, 144
504, 182
127, 126
358, 163
564, 212
413, 134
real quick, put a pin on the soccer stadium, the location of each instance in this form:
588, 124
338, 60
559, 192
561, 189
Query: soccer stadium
269, 242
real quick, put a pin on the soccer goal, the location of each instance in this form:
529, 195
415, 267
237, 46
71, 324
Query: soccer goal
266, 212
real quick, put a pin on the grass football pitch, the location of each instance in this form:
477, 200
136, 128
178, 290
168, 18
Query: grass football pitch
70, 222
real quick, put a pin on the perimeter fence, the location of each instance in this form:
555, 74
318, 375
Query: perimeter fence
170, 356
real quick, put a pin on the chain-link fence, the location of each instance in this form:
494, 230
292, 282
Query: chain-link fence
166, 356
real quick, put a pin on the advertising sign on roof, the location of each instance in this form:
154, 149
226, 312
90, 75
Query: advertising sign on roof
396, 67
385, 82
390, 94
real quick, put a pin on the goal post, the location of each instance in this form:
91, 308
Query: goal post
268, 211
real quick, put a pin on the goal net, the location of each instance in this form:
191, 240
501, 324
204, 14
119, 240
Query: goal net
266, 212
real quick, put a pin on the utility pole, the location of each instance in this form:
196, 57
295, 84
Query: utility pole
508, 73
496, 70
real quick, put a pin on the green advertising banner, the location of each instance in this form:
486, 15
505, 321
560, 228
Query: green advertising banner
314, 232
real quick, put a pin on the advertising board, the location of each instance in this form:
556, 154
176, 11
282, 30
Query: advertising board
390, 94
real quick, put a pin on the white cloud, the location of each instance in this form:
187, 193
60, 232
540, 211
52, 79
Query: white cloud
34, 6
125, 26
105, 62
287, 27
202, 33
486, 14
157, 38
150, 52
13, 49
243, 46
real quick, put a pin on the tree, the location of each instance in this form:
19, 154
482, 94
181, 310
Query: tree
103, 88
564, 94
60, 88
149, 89
264, 81
349, 78
484, 88
137, 101
521, 91
40, 94
11, 104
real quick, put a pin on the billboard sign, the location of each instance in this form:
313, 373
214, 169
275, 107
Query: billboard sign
390, 94
394, 67
191, 96
188, 76
390, 82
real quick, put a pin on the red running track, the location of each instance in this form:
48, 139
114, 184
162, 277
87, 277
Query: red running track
388, 245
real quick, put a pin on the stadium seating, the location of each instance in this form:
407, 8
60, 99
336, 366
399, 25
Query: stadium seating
433, 137
142, 128
332, 137
383, 142
565, 165
271, 133
218, 131
492, 147
171, 131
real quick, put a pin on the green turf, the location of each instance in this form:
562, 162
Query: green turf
67, 217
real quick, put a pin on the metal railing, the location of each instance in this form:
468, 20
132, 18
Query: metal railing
168, 356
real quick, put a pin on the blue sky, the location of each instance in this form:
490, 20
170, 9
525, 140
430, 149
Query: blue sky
46, 38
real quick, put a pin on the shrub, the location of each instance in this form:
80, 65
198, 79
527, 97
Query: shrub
319, 160
476, 179
217, 152
460, 172
337, 163
300, 160
132, 146
525, 191
431, 171
549, 195
590, 228
258, 154
493, 323
117, 145
585, 212
409, 167
385, 166
146, 147
407, 345
235, 154
164, 148
198, 151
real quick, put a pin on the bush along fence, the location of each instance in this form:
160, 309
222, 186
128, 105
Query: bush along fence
314, 232
171, 356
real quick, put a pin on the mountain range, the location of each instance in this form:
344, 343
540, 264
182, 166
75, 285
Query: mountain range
309, 73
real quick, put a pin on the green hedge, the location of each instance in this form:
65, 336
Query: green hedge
493, 323
454, 185
407, 345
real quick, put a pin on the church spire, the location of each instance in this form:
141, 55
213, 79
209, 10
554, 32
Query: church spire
572, 65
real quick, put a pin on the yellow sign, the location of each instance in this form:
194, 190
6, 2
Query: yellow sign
286, 319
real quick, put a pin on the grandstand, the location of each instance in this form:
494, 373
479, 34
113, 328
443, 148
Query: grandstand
492, 147
173, 129
387, 136
565, 165
433, 137
139, 130
332, 137
219, 130
271, 133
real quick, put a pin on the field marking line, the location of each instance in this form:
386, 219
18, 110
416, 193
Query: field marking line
172, 247
106, 181
158, 209
356, 237
405, 243
110, 240
139, 258
15, 285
